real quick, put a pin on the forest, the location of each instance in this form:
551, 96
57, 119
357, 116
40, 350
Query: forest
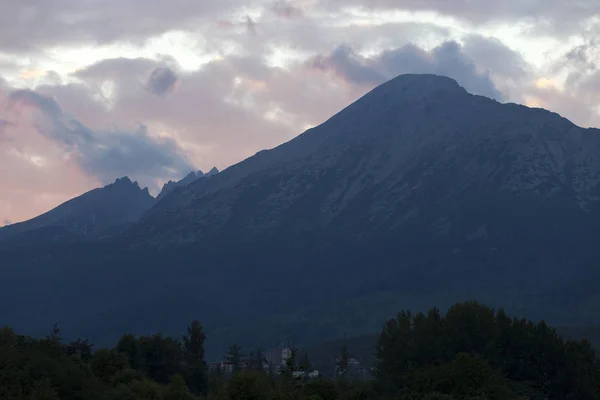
471, 352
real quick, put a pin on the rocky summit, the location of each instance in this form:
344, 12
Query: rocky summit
418, 194
170, 186
99, 212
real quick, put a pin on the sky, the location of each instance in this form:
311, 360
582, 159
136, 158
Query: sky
92, 90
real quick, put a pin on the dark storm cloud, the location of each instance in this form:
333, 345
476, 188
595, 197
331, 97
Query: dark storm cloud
103, 154
447, 59
162, 81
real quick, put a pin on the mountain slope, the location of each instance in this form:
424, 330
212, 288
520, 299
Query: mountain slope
98, 212
170, 186
414, 143
417, 195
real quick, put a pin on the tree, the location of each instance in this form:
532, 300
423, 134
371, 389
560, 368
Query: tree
106, 363
290, 361
248, 385
394, 352
341, 367
305, 366
130, 346
55, 334
465, 377
256, 360
80, 348
177, 389
162, 357
43, 390
235, 357
147, 390
193, 357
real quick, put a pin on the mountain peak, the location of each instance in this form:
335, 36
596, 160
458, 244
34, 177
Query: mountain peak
125, 183
415, 88
123, 179
212, 171
104, 210
189, 178
421, 81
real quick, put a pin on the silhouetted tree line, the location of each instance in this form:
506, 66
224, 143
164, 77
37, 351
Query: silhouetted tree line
471, 353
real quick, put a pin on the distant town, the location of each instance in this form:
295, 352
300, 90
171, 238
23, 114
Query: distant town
275, 360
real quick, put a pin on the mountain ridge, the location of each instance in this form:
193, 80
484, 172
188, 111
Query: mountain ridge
170, 186
323, 139
419, 194
97, 212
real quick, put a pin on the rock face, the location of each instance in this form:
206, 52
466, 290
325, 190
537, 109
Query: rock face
99, 212
170, 186
417, 195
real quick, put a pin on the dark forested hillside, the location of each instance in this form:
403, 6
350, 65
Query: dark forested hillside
418, 194
469, 353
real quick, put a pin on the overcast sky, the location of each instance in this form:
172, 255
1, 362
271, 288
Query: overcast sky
93, 90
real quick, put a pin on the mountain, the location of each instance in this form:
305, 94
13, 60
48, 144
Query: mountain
213, 171
417, 195
170, 186
96, 213
418, 150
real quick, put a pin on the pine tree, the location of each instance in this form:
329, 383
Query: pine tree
290, 362
305, 364
130, 346
80, 348
235, 357
256, 360
193, 354
177, 389
54, 336
341, 367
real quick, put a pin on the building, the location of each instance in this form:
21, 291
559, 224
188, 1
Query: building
222, 366
274, 357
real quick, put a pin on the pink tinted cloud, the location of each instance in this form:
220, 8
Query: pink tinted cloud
49, 156
218, 116
35, 174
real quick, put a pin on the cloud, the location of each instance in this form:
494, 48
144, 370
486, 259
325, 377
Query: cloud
489, 53
66, 139
162, 81
104, 154
284, 9
550, 16
251, 25
28, 27
446, 59
4, 125
344, 62
256, 94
